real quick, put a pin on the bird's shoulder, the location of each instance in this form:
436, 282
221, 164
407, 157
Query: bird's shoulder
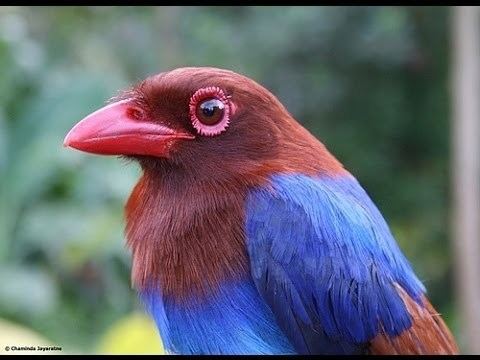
325, 260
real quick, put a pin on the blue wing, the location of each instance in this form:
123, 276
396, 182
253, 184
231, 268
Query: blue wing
324, 260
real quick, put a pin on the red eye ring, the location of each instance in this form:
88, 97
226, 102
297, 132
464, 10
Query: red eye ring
210, 93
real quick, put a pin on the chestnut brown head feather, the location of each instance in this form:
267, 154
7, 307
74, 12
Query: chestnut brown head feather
257, 133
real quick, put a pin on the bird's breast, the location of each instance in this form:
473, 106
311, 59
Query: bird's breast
232, 320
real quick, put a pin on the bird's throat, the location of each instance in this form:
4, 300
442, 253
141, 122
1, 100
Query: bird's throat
185, 238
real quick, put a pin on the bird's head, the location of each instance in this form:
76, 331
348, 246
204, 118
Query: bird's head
207, 122
203, 137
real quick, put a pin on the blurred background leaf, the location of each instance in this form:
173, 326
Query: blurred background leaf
133, 334
370, 82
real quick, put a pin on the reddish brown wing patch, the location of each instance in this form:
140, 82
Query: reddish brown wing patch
428, 334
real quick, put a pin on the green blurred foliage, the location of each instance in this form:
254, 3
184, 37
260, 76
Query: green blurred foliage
370, 82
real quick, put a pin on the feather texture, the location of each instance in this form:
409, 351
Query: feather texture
427, 335
325, 261
233, 320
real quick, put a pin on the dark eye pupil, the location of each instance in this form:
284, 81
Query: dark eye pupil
210, 111
210, 106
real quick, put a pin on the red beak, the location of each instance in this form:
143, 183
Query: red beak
121, 129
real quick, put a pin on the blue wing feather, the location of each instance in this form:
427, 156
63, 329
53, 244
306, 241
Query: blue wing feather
325, 261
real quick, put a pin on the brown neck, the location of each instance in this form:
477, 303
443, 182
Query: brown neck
184, 237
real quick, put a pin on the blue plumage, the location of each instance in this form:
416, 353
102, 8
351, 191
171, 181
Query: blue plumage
234, 320
325, 261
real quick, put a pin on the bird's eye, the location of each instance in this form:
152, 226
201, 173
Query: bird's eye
210, 111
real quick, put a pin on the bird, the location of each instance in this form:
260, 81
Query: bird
247, 235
